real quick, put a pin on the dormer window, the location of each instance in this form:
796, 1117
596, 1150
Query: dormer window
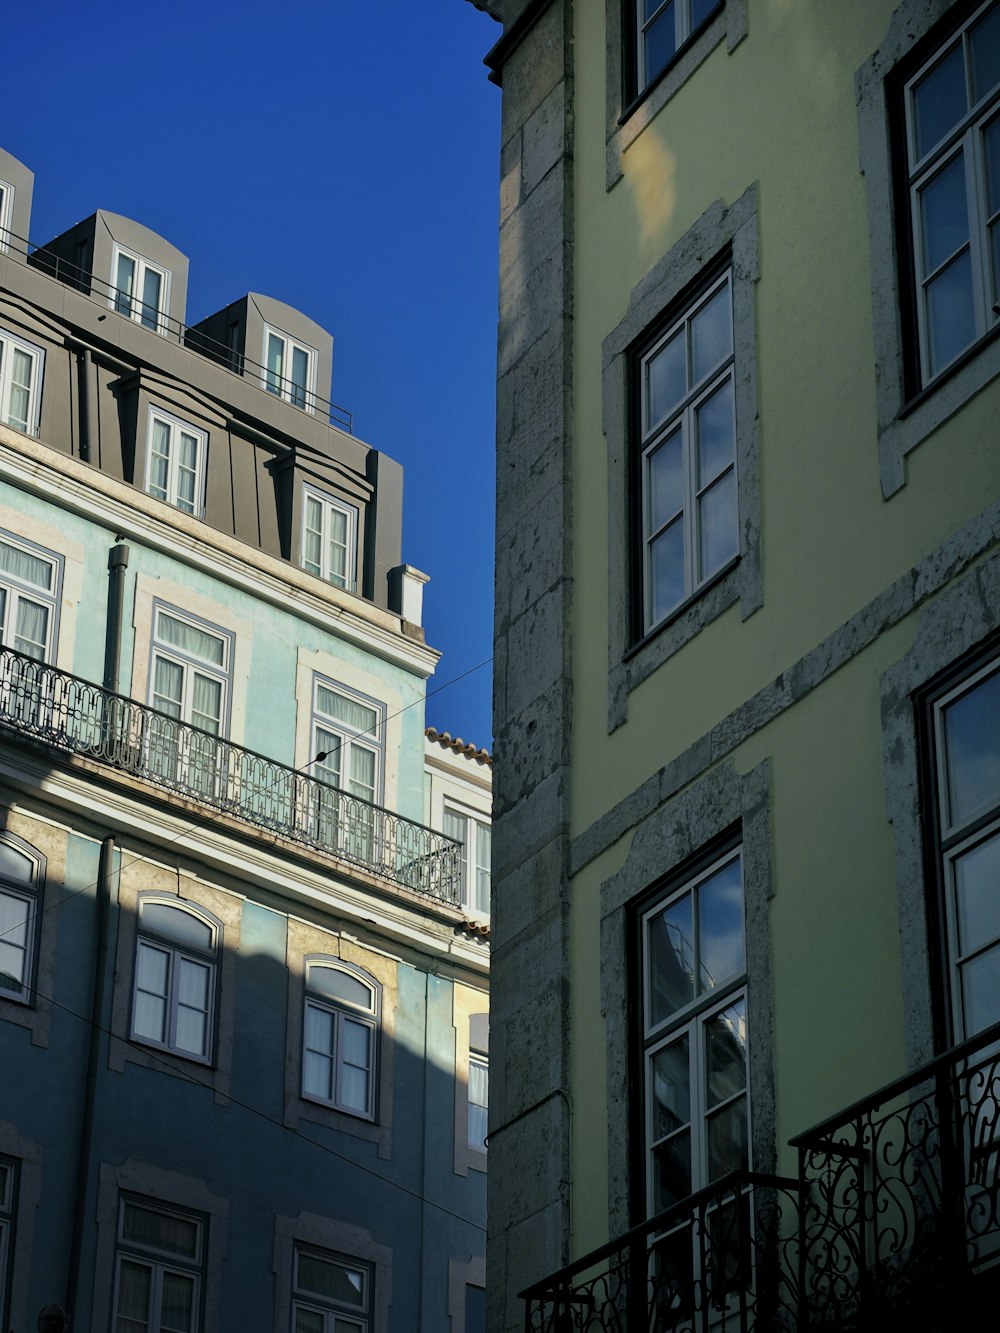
175, 462
140, 290
289, 370
329, 539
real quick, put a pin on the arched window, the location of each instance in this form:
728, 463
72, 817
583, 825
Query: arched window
340, 1038
173, 999
19, 919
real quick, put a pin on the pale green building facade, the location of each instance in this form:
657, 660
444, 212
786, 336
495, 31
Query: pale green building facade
747, 762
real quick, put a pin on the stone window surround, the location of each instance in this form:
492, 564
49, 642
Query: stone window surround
664, 286
323, 1233
309, 943
673, 835
951, 627
146, 879
903, 422
29, 1157
626, 122
465, 1003
460, 1276
171, 1189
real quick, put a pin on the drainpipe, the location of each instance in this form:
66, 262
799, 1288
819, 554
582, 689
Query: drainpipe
90, 1090
117, 565
86, 425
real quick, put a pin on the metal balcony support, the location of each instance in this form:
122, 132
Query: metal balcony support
75, 716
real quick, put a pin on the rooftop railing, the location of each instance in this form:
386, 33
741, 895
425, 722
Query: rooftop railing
131, 306
78, 717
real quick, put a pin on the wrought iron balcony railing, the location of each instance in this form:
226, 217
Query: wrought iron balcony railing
723, 1259
900, 1198
81, 718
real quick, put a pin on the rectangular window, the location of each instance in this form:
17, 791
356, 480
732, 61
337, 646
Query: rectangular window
479, 1100
6, 1234
159, 1269
662, 28
29, 586
329, 539
20, 383
289, 370
475, 1309
20, 893
952, 121
6, 213
474, 835
693, 1005
176, 962
190, 674
140, 290
331, 1293
966, 750
347, 731
687, 455
175, 462
340, 1041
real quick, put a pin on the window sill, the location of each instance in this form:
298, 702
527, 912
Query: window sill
338, 1110
671, 64
953, 368
680, 610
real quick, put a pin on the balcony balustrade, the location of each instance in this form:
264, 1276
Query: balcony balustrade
80, 718
893, 1223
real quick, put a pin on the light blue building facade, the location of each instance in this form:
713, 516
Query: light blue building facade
240, 977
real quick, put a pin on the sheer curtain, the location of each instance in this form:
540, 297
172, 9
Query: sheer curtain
25, 566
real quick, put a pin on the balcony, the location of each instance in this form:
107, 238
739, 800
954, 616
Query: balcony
76, 717
892, 1223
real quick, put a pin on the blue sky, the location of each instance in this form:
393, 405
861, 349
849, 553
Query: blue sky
338, 155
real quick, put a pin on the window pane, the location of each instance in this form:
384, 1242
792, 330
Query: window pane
177, 1303
666, 571
275, 362
670, 1089
666, 381
14, 913
168, 686
193, 984
151, 285
995, 249
190, 639
727, 1140
981, 991
726, 1053
720, 926
319, 1029
20, 390
340, 986
14, 866
357, 1044
125, 282
317, 1076
972, 749
944, 214
939, 101
354, 1089
475, 1309
300, 376
700, 10
363, 772
330, 1279
984, 38
25, 566
152, 969
308, 1321
206, 702
717, 521
715, 434
991, 153
660, 41
159, 462
161, 1231
328, 743
358, 716
950, 312
134, 1287
672, 1171
670, 936
665, 481
176, 924
711, 340
191, 1030
32, 630
977, 889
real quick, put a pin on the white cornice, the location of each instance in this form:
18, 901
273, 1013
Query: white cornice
59, 479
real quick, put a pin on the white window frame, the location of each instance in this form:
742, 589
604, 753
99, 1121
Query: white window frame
30, 894
8, 1194
159, 1262
965, 140
341, 1011
6, 215
470, 864
133, 307
15, 588
691, 1020
282, 386
329, 505
683, 417
684, 28
348, 736
956, 839
337, 1315
177, 953
176, 428
192, 663
10, 343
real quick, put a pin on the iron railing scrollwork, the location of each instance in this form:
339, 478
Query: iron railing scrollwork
721, 1260
81, 718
